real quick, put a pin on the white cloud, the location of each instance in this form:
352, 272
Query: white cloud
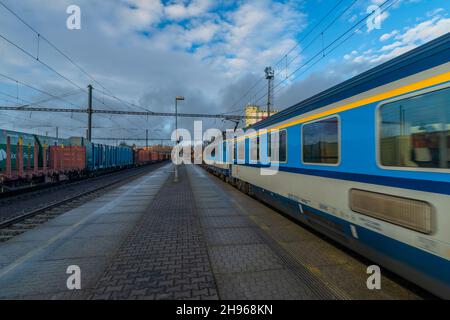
426, 31
388, 36
395, 52
245, 39
392, 46
202, 33
259, 32
405, 41
435, 12
139, 14
147, 51
179, 11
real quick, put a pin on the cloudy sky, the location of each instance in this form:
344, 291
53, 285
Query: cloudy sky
146, 52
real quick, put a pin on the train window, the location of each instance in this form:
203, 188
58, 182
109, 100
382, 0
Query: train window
254, 149
241, 150
281, 145
224, 152
415, 132
321, 141
231, 150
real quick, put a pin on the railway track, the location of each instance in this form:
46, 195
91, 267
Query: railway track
26, 193
19, 204
24, 221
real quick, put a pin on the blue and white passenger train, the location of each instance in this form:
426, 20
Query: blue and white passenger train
367, 163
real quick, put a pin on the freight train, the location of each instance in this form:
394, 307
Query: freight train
366, 163
28, 159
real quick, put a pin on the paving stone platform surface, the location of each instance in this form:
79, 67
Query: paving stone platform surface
198, 238
194, 243
165, 257
33, 265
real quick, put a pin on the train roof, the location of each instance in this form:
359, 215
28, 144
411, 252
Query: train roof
429, 55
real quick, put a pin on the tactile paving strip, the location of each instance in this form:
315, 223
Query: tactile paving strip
243, 270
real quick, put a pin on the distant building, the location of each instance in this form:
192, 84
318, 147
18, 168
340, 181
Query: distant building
256, 113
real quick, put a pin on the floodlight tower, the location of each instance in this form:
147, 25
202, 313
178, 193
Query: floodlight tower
270, 75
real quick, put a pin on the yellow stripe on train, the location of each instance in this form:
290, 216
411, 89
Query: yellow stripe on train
432, 81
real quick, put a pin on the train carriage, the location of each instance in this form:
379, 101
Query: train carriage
219, 160
17, 141
367, 163
26, 152
102, 157
28, 160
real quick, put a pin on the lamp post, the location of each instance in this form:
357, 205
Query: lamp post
179, 98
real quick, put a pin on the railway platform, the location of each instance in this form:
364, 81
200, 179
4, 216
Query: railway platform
195, 239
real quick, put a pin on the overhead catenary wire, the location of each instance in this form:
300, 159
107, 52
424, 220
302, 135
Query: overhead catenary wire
319, 53
66, 56
18, 82
47, 66
8, 101
42, 37
110, 95
11, 96
111, 108
38, 59
14, 107
285, 55
17, 99
64, 95
25, 103
316, 26
321, 34
303, 49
